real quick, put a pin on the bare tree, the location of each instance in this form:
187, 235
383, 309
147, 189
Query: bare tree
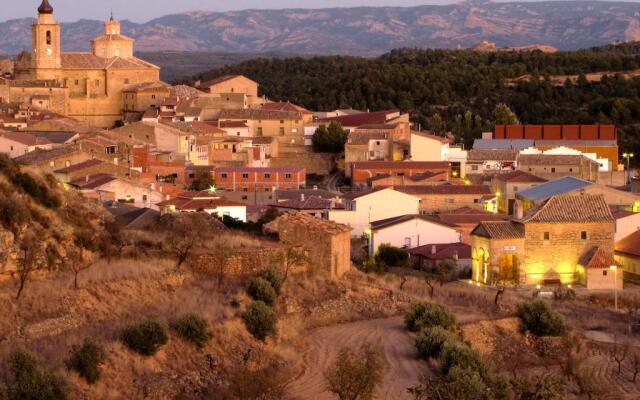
77, 261
619, 353
427, 280
181, 243
293, 257
31, 249
635, 365
355, 374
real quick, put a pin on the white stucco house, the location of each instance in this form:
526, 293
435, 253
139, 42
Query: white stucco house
409, 231
429, 147
362, 208
204, 201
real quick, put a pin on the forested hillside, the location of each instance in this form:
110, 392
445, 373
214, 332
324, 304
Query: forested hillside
458, 90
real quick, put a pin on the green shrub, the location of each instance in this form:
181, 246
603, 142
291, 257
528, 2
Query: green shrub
146, 337
32, 382
422, 315
260, 320
193, 328
86, 360
458, 354
260, 289
273, 275
38, 192
13, 213
391, 256
431, 341
8, 166
564, 293
538, 318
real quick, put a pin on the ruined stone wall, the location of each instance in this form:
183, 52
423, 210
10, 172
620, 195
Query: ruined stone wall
240, 263
314, 163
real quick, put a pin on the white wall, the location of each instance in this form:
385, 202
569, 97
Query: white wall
425, 149
383, 204
626, 226
123, 189
237, 212
417, 230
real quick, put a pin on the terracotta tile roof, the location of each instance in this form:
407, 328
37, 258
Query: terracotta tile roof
470, 218
430, 135
232, 124
202, 200
619, 214
376, 127
262, 140
27, 139
221, 79
311, 223
499, 230
79, 166
446, 251
251, 114
109, 38
519, 177
630, 244
384, 223
183, 91
552, 159
573, 208
309, 203
40, 155
445, 189
492, 155
363, 138
377, 117
91, 61
259, 169
597, 258
284, 106
92, 181
406, 165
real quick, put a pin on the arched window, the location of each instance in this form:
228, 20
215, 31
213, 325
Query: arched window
48, 37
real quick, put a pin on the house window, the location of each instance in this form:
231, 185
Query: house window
126, 81
266, 190
223, 175
281, 131
245, 175
259, 131
515, 188
48, 37
282, 121
570, 169
604, 272
144, 197
474, 167
546, 236
407, 243
553, 170
287, 176
245, 189
400, 174
267, 175
77, 82
97, 82
244, 197
153, 96
583, 235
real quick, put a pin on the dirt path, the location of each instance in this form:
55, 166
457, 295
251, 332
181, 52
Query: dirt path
401, 367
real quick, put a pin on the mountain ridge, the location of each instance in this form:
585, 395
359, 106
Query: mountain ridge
566, 25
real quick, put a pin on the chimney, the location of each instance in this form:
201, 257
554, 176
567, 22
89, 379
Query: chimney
518, 211
434, 249
301, 196
86, 178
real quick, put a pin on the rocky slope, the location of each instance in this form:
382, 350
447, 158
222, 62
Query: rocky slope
364, 30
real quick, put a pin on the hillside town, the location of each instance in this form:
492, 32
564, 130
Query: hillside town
221, 148
544, 207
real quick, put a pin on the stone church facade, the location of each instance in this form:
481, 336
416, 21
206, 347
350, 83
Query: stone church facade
85, 86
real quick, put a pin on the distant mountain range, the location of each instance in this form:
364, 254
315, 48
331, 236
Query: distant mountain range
565, 25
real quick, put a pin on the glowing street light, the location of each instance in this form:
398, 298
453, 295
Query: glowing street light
614, 268
212, 188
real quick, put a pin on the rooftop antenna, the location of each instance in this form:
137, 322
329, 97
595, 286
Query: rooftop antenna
112, 14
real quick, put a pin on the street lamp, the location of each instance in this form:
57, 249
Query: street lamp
614, 268
628, 157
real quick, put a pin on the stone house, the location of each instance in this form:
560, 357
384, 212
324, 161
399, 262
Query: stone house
92, 166
362, 172
230, 84
51, 160
428, 178
15, 144
286, 126
480, 161
551, 166
601, 270
253, 179
108, 187
327, 244
467, 218
442, 198
545, 245
627, 255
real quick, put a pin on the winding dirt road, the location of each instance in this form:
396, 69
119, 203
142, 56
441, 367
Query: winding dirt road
402, 369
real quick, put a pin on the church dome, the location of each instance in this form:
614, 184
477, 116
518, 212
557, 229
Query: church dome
45, 8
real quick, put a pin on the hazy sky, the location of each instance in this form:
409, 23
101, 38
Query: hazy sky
144, 10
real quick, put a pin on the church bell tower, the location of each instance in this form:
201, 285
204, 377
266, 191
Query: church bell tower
46, 62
